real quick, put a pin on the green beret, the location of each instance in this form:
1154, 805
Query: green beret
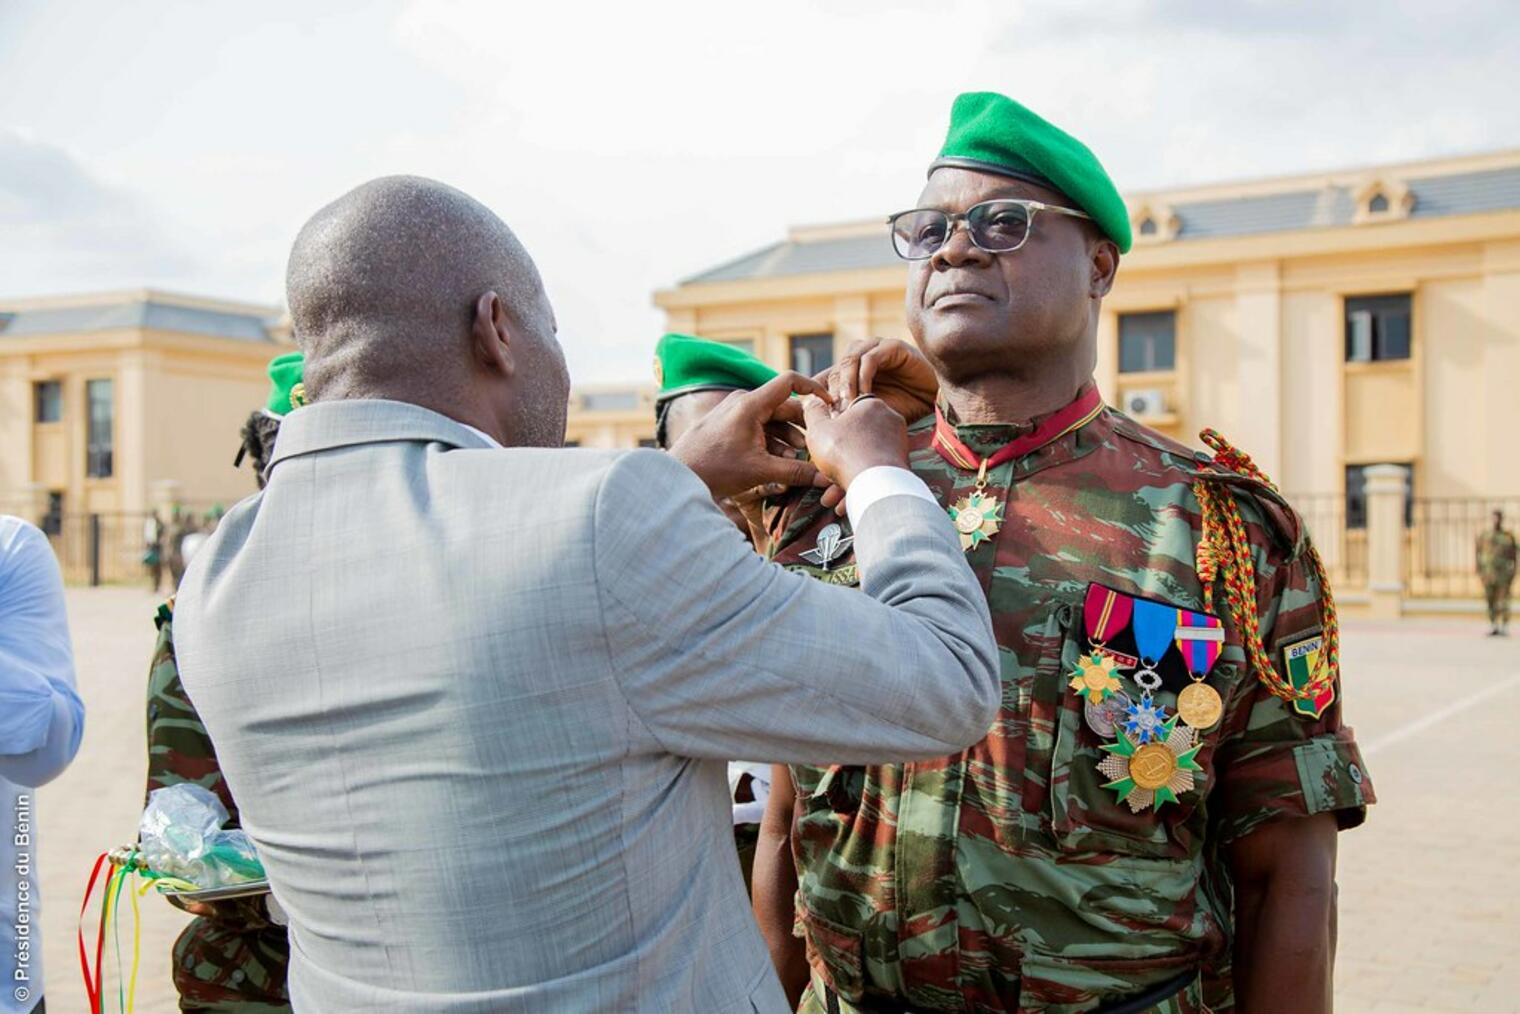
992, 133
285, 388
684, 364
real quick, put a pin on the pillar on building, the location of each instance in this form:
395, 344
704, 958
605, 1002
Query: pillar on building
1386, 489
165, 495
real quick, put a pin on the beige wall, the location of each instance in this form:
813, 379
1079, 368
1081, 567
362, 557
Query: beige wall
1260, 344
179, 402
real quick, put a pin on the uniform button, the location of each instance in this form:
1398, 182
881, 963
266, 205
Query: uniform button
236, 976
1356, 774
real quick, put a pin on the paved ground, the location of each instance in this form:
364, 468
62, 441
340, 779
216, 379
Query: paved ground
1430, 887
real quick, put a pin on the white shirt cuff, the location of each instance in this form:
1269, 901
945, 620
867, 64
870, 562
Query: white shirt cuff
878, 483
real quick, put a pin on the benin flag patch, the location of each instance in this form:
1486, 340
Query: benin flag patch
1299, 659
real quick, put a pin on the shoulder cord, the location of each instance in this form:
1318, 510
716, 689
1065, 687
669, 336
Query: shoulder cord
1225, 551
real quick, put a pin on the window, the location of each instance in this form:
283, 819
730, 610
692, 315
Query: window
1356, 494
1378, 204
52, 521
98, 434
49, 398
1377, 328
1147, 342
649, 442
1148, 227
812, 353
745, 345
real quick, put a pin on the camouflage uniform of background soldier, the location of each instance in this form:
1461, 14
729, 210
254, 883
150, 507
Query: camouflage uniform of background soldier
1496, 567
1013, 876
231, 957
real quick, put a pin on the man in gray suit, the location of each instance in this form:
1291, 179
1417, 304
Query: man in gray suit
476, 702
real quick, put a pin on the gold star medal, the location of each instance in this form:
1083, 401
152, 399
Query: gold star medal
1094, 678
1153, 773
977, 518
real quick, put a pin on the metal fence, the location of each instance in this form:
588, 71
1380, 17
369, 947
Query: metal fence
105, 548
1343, 549
1440, 549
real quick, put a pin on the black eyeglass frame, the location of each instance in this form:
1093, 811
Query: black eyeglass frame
1032, 208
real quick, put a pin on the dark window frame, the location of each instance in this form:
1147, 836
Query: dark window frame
814, 341
1356, 493
1389, 328
39, 402
1159, 346
100, 434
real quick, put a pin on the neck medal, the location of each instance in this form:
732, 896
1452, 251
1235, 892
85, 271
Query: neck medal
1105, 613
1146, 774
1200, 639
977, 515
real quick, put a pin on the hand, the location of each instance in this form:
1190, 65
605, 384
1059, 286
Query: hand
893, 370
862, 435
729, 448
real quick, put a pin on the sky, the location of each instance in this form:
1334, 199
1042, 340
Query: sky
181, 145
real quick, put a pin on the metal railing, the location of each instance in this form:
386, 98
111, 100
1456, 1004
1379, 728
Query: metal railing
103, 548
1440, 549
1343, 549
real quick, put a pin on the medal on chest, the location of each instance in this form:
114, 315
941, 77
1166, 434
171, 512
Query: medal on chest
1152, 772
1200, 639
1105, 613
977, 516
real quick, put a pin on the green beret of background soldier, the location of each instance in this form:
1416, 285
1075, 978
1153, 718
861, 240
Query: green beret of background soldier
231, 957
1163, 788
695, 375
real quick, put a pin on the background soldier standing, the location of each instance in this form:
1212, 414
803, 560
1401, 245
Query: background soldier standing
233, 956
1092, 852
1496, 566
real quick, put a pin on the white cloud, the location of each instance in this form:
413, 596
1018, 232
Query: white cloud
632, 145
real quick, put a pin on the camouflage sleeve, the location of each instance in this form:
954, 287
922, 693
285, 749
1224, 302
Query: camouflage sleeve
180, 750
787, 517
1279, 759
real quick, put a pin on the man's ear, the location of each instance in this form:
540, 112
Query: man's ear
1105, 265
492, 335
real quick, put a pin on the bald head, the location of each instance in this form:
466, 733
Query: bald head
387, 288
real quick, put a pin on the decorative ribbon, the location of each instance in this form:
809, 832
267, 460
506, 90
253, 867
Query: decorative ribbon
1106, 613
1079, 413
1224, 551
1154, 626
1200, 638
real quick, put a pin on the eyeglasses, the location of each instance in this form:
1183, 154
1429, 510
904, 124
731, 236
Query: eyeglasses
994, 226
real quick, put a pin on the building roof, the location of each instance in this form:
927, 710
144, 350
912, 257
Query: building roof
1435, 188
146, 309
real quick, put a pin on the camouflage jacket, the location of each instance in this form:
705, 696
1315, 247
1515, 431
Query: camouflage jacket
234, 958
1007, 876
1496, 556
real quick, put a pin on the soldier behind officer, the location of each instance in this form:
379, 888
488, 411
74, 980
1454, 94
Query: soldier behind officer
1091, 853
1496, 567
233, 956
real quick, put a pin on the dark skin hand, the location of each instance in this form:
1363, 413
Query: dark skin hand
1285, 915
774, 886
730, 449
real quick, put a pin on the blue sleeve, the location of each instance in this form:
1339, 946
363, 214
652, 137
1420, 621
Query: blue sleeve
41, 714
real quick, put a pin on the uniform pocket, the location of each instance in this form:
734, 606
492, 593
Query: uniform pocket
838, 949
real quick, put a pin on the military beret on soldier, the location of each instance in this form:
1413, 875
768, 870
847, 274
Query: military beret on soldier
286, 391
992, 133
685, 364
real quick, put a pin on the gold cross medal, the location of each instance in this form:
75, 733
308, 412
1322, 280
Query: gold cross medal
1147, 774
1095, 677
977, 518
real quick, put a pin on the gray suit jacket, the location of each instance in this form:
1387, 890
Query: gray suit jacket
475, 705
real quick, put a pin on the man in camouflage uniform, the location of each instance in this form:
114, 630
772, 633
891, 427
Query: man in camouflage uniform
1011, 876
232, 957
1496, 566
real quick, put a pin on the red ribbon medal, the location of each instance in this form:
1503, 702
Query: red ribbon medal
1106, 613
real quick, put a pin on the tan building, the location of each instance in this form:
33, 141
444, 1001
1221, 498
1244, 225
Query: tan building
1325, 323
111, 404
